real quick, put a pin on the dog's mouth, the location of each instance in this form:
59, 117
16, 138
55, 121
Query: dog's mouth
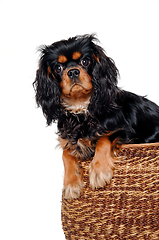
77, 100
78, 90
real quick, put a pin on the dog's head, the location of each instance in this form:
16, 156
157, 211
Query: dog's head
74, 75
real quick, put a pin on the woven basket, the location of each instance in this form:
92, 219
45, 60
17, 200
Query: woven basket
125, 209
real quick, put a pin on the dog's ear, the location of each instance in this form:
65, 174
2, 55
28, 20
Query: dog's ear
104, 81
105, 67
47, 93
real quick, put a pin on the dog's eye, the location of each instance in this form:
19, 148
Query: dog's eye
85, 62
58, 69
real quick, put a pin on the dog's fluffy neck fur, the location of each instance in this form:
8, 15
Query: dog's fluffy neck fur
79, 132
76, 104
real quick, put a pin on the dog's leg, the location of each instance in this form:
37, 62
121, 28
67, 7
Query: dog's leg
101, 167
73, 176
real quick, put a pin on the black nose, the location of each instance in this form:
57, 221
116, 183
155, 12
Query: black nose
73, 73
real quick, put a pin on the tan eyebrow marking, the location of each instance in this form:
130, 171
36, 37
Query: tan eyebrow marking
76, 55
48, 71
62, 59
96, 58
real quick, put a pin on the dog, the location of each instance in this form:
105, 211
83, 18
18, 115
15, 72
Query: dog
76, 85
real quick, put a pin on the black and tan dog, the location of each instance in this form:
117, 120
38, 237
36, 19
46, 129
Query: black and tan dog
76, 84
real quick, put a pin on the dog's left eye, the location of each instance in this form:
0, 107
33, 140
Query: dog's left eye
58, 69
85, 62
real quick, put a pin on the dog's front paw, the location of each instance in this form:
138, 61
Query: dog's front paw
72, 191
100, 173
73, 184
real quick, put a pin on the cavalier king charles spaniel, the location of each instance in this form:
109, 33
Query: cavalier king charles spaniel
76, 84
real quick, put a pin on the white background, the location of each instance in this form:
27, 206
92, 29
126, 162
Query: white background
31, 169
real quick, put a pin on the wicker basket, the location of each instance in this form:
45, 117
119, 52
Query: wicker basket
125, 209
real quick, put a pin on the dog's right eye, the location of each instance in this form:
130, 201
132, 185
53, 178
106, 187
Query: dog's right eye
85, 62
58, 69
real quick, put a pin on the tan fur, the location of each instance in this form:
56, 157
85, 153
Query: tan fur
73, 176
101, 168
76, 55
62, 59
75, 96
84, 83
75, 104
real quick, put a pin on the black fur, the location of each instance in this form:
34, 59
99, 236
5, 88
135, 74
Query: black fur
120, 114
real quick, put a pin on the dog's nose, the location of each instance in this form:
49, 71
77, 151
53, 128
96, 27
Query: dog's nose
73, 73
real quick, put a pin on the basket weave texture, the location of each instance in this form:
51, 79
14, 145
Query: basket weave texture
127, 208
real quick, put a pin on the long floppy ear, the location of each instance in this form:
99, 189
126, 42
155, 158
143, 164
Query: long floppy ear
104, 81
47, 94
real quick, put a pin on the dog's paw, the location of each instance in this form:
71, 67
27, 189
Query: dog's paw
73, 184
72, 191
100, 173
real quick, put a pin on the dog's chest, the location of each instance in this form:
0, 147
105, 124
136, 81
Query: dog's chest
82, 149
79, 133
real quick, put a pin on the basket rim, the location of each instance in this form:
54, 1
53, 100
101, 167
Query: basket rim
140, 145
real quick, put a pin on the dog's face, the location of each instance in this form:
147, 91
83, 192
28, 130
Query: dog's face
72, 74
72, 68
